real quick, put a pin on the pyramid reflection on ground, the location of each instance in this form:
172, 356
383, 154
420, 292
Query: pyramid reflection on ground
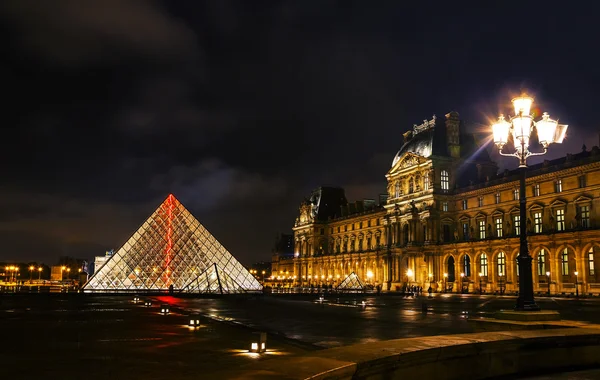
351, 283
172, 250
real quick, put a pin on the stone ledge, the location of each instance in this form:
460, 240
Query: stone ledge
473, 356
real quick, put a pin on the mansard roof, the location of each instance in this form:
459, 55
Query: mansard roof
430, 139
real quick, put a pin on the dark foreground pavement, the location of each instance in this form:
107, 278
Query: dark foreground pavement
110, 337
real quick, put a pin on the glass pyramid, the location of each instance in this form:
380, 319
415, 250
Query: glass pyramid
351, 282
172, 249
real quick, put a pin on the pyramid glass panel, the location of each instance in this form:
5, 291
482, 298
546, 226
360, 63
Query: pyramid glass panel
351, 283
172, 249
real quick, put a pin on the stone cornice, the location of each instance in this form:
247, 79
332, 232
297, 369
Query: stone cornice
530, 180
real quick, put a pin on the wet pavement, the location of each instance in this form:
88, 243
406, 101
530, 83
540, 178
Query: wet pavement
100, 337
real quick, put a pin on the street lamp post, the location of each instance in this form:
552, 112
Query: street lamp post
462, 287
40, 269
31, 268
548, 279
520, 128
576, 284
480, 283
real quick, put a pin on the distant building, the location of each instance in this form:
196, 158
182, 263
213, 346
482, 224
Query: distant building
282, 260
449, 218
100, 260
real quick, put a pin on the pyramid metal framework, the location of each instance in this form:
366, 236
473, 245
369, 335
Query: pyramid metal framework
351, 282
172, 250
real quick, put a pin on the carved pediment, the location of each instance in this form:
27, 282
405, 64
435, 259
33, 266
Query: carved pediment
447, 221
464, 218
583, 199
536, 206
514, 210
480, 215
558, 203
498, 212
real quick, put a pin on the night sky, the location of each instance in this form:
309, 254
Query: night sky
241, 108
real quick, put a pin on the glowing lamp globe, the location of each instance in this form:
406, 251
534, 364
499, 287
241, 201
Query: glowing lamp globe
500, 130
546, 129
522, 105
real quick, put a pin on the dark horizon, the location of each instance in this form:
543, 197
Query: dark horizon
241, 109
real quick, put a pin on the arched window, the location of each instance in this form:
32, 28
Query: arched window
451, 276
483, 264
542, 262
565, 262
501, 264
467, 265
592, 271
445, 180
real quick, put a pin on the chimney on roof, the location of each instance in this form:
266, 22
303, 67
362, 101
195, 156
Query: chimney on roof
453, 133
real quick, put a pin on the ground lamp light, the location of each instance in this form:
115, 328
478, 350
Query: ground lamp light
260, 345
164, 309
136, 299
148, 303
520, 128
194, 321
576, 284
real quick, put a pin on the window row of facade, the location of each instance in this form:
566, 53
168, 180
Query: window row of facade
558, 188
542, 266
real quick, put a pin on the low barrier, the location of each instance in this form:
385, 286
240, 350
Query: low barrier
465, 356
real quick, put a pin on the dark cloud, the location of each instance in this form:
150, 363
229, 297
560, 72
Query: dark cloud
241, 108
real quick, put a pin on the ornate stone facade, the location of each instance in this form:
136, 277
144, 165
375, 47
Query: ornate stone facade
449, 218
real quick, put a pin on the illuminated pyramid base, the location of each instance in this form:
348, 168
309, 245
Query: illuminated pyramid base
351, 283
171, 250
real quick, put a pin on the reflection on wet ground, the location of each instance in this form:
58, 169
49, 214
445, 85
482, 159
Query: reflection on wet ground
64, 336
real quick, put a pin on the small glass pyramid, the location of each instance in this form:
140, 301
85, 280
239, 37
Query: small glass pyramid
172, 249
351, 283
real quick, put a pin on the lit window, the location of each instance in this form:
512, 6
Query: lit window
444, 206
480, 201
591, 261
565, 262
582, 181
445, 180
467, 265
537, 219
501, 264
542, 262
584, 214
560, 220
483, 264
482, 229
517, 224
499, 227
558, 186
536, 190
497, 198
411, 186
426, 181
516, 194
464, 206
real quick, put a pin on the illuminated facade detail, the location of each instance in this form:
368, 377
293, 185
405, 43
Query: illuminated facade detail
172, 249
431, 230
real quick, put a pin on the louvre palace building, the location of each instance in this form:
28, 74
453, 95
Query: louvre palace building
450, 220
